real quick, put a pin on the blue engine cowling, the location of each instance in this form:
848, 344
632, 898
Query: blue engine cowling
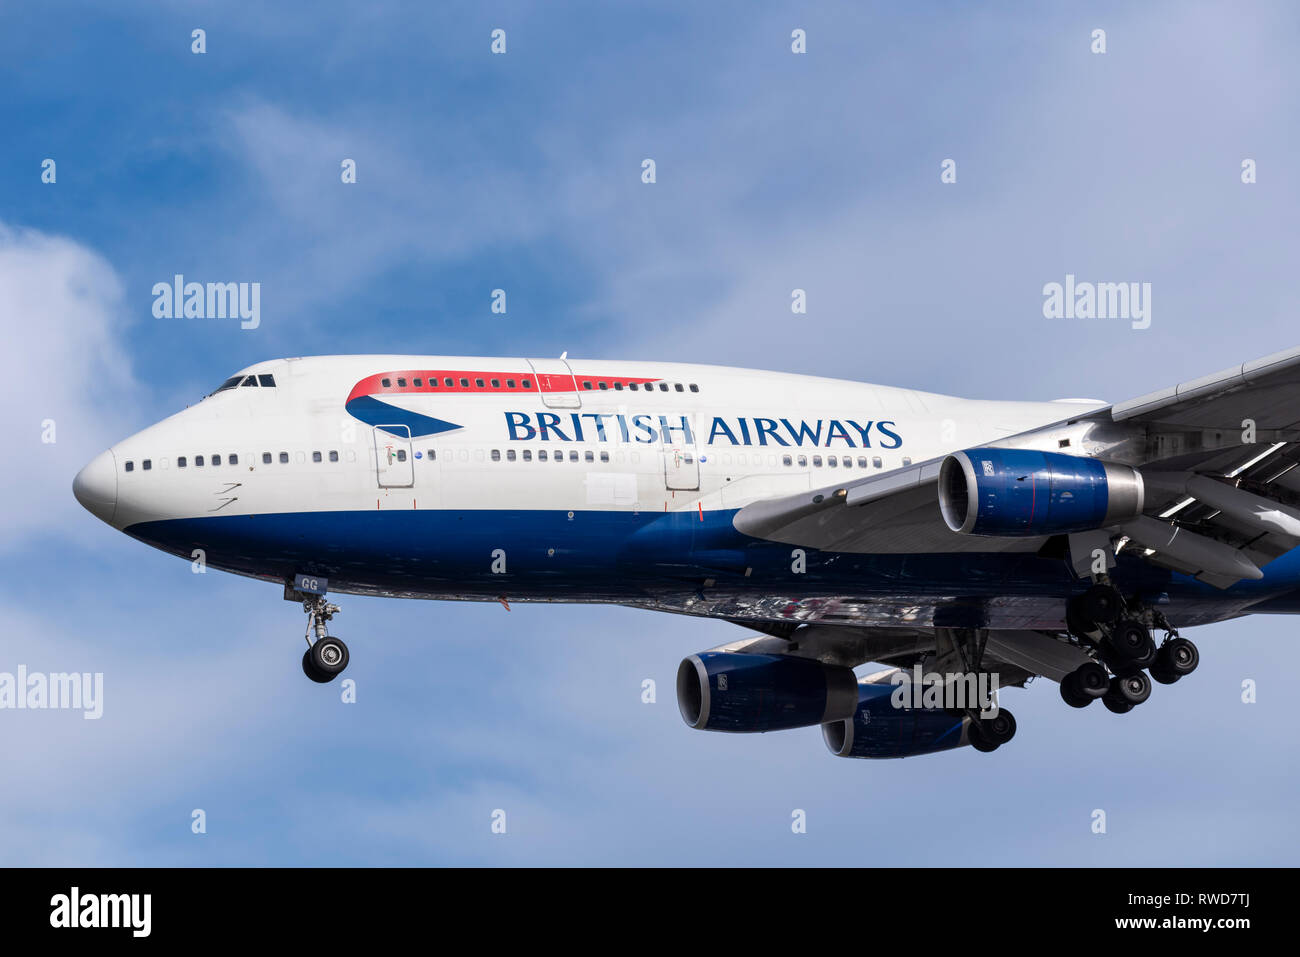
878, 729
729, 691
1024, 492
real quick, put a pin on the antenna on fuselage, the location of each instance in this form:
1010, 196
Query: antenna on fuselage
564, 354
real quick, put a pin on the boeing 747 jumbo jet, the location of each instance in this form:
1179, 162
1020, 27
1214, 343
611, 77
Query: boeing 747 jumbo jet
985, 543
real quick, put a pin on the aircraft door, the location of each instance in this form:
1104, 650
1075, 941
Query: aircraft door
681, 459
393, 460
556, 383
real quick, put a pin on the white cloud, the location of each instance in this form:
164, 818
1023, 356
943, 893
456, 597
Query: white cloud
62, 319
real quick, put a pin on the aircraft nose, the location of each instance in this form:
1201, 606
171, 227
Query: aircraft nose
96, 486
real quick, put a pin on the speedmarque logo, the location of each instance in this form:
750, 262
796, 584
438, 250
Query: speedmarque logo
103, 910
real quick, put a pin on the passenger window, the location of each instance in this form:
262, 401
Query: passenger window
401, 455
527, 384
315, 457
267, 381
876, 461
510, 383
663, 386
688, 458
448, 383
787, 460
496, 455
541, 455
180, 461
147, 464
848, 461
216, 460
604, 456
803, 461
862, 461
130, 466
386, 383
334, 456
496, 383
266, 458
401, 383
432, 455
589, 457
510, 455
678, 386
464, 383
586, 385
906, 460
479, 383
417, 382
603, 385
198, 461
832, 461
817, 461
694, 387
528, 455
284, 458
232, 459
573, 456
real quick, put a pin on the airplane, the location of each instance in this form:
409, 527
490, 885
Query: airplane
988, 543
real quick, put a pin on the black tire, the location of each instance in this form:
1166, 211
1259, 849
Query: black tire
977, 740
1131, 643
1102, 604
1091, 679
1071, 694
310, 670
1118, 707
1161, 675
1132, 689
1000, 729
329, 656
1179, 657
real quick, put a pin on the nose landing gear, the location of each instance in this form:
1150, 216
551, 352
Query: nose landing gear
327, 656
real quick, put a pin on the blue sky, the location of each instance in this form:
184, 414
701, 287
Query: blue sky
522, 171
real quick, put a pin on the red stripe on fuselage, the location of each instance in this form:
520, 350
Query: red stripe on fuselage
433, 382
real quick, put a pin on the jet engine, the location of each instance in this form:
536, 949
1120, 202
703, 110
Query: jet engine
739, 692
879, 729
1024, 492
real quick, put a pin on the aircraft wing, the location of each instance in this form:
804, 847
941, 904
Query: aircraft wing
1218, 454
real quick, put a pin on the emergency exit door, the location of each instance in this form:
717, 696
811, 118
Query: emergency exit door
393, 463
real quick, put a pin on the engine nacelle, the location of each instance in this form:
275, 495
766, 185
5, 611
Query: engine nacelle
878, 729
1024, 492
729, 691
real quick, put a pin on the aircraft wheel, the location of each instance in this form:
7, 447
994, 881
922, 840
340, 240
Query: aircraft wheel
1178, 658
1132, 644
1071, 693
1131, 689
1118, 707
329, 656
977, 739
1000, 729
310, 670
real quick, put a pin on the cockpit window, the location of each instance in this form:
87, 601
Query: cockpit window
268, 381
249, 380
228, 384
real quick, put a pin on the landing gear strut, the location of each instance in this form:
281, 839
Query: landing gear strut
327, 656
985, 733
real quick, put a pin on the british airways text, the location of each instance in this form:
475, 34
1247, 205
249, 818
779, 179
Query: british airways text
650, 429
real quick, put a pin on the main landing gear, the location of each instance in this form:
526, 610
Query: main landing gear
985, 733
1118, 634
327, 656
